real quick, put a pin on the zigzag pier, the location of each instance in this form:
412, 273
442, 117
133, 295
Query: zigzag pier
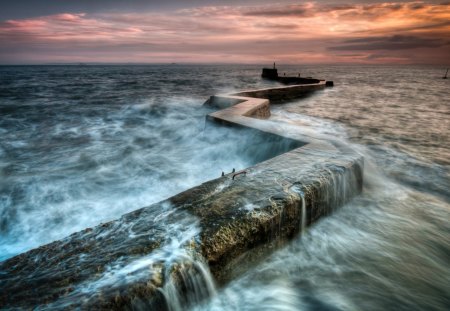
223, 225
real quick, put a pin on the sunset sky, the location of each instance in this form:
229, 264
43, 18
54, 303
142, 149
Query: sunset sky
200, 31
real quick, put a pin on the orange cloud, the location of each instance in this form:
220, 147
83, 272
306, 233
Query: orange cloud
309, 32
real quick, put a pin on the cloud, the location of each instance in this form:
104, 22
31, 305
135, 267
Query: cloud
299, 10
396, 42
313, 9
280, 26
236, 34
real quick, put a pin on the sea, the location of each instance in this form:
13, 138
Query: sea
85, 144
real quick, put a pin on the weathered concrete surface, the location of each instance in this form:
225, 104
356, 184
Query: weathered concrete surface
274, 200
275, 94
284, 92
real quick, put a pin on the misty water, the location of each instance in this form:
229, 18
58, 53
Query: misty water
81, 145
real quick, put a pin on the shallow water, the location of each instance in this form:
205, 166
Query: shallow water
82, 145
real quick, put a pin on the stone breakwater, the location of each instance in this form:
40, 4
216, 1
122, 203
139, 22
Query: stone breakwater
221, 226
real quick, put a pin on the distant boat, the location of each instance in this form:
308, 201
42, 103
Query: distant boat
445, 77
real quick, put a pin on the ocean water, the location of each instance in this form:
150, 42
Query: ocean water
82, 145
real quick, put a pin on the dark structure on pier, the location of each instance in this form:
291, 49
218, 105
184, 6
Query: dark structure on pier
272, 74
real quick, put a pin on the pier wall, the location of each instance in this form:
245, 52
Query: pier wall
236, 215
283, 93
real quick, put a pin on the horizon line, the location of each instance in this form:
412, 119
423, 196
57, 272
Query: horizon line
219, 63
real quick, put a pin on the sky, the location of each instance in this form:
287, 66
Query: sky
220, 31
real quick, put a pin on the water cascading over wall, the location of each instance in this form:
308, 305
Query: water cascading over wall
171, 254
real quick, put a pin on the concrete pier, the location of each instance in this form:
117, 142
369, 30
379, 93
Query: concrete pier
237, 215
